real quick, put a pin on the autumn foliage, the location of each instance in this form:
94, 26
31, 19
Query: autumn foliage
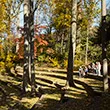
39, 42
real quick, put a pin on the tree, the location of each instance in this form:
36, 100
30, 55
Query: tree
28, 76
61, 20
104, 47
72, 46
88, 16
3, 16
7, 20
7, 54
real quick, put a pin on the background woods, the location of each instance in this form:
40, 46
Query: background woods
50, 51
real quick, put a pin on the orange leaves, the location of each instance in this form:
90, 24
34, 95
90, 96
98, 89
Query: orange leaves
41, 41
40, 44
0, 46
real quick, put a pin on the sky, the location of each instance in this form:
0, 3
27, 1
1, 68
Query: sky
22, 19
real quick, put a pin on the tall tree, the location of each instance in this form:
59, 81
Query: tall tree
104, 47
26, 45
8, 10
28, 76
31, 45
88, 12
90, 18
72, 46
61, 20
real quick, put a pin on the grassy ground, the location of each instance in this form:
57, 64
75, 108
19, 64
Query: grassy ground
11, 97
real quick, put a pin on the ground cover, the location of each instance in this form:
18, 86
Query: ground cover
48, 80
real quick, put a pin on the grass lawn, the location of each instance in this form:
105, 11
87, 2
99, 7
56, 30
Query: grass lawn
75, 98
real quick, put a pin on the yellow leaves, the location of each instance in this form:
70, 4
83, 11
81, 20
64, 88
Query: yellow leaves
2, 64
9, 64
67, 16
2, 1
9, 56
54, 62
3, 14
65, 63
7, 61
62, 18
2, 27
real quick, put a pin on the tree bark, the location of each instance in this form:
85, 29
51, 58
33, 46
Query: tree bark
104, 47
70, 65
72, 46
26, 45
28, 76
32, 49
86, 55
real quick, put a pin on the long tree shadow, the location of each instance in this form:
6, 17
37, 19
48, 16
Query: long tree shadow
90, 91
11, 85
58, 77
46, 85
92, 76
45, 80
52, 70
46, 104
55, 76
50, 103
51, 88
18, 106
88, 88
7, 93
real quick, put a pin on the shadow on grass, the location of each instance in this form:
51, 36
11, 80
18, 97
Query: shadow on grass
90, 91
51, 70
52, 82
68, 104
47, 104
10, 85
46, 85
18, 106
92, 76
52, 103
55, 76
9, 101
45, 80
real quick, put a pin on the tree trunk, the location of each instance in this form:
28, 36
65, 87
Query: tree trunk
86, 55
72, 46
74, 27
28, 76
31, 57
104, 46
70, 65
26, 45
62, 40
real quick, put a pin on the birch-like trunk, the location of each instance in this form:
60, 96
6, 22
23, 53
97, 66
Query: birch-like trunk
28, 76
31, 57
72, 46
26, 45
104, 47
